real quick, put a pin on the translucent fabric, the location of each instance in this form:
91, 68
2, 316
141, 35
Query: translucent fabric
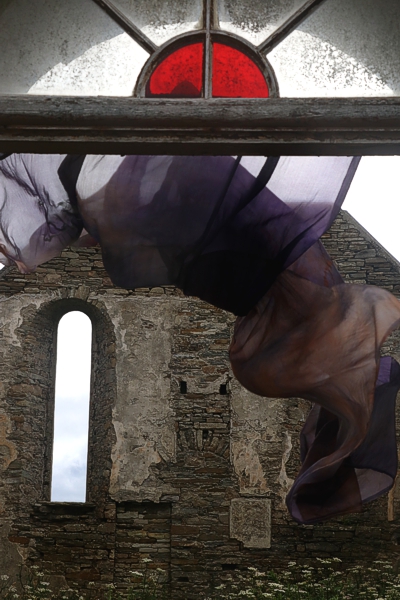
194, 221
37, 220
241, 233
317, 338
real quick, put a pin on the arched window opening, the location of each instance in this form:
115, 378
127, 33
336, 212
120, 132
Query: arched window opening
71, 408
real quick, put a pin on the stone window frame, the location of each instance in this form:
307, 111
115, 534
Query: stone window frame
103, 394
61, 403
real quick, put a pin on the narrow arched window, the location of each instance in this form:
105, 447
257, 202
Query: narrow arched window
71, 409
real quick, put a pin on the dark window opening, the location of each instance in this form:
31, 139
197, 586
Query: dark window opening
229, 567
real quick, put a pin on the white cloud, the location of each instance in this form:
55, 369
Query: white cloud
71, 419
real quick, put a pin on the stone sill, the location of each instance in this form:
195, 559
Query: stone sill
64, 508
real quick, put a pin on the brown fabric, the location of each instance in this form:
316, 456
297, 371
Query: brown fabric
312, 336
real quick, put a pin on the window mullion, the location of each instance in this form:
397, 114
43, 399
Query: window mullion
208, 23
289, 25
127, 25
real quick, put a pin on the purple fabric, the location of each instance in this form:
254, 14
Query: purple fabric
367, 472
184, 220
201, 224
37, 220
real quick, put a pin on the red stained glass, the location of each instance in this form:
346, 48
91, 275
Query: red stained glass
180, 75
235, 75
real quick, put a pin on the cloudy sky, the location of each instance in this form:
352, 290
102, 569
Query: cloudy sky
374, 200
72, 408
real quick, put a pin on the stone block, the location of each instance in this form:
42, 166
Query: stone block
250, 521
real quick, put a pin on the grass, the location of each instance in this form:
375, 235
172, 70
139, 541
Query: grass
327, 580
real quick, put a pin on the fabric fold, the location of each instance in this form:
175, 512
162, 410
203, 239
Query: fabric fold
37, 219
241, 233
365, 474
316, 338
189, 221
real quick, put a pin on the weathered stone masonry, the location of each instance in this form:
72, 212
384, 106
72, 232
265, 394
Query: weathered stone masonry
186, 467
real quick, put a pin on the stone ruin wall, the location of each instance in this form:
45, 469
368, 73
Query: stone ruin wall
195, 481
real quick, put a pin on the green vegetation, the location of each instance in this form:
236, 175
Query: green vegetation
325, 581
147, 586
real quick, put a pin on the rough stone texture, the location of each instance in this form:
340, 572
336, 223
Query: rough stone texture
143, 418
179, 452
142, 528
250, 522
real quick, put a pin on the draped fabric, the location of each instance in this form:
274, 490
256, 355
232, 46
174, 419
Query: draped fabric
194, 221
37, 220
314, 337
241, 233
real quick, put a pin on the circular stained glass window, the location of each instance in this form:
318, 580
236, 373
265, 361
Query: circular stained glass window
179, 75
235, 75
194, 67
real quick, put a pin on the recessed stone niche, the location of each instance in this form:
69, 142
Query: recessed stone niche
250, 522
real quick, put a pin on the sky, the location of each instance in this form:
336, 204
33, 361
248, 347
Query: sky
71, 418
373, 200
